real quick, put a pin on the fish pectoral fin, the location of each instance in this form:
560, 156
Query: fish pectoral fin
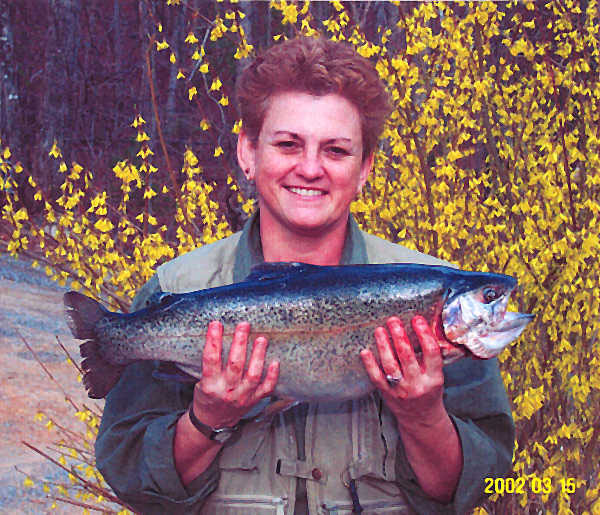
169, 371
274, 406
257, 410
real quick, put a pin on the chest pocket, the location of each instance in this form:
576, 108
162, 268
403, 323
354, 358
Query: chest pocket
248, 449
248, 482
356, 441
374, 441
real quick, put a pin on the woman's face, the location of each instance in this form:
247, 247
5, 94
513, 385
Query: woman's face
307, 163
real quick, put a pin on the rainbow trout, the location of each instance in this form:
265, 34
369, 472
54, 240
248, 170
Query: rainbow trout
315, 318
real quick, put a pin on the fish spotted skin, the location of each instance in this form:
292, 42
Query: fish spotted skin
315, 318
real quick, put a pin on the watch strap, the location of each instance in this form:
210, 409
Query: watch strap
210, 432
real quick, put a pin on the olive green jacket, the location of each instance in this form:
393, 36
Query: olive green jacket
302, 459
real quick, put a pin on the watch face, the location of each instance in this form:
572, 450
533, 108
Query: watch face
217, 435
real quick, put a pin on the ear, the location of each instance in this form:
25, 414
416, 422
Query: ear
365, 170
246, 155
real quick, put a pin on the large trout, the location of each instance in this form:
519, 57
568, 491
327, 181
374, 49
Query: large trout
315, 318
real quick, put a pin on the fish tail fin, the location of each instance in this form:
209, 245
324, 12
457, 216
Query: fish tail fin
99, 375
82, 314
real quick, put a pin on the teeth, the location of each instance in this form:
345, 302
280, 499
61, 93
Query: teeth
306, 192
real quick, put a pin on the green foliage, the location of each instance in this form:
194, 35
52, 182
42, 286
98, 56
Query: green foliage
489, 160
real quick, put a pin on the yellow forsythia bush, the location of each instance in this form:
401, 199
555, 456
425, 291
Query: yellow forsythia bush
490, 160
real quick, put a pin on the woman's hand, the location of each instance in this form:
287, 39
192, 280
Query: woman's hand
414, 393
225, 393
412, 390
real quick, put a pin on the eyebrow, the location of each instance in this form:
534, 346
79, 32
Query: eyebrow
296, 136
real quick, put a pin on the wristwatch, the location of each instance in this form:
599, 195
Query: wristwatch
220, 435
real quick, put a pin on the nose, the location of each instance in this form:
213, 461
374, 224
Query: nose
310, 166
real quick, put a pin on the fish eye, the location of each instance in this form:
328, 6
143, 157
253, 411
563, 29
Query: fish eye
165, 298
490, 295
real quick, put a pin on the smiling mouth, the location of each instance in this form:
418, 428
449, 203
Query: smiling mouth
305, 192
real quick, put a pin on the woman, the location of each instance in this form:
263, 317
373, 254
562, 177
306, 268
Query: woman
312, 111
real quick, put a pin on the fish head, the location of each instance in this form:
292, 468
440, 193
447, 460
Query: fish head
475, 315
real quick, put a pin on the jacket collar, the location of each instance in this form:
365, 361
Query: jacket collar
248, 252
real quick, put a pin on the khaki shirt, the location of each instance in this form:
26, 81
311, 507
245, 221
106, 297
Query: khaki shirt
309, 453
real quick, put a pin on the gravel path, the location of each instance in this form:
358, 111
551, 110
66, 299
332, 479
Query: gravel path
31, 308
21, 271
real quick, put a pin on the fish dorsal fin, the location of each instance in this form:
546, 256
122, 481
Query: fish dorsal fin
278, 270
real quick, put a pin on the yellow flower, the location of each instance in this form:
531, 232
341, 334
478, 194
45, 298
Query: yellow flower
138, 120
191, 39
104, 225
142, 136
149, 193
144, 152
161, 45
55, 151
290, 14
237, 127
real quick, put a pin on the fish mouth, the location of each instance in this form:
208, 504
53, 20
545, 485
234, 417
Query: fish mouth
484, 329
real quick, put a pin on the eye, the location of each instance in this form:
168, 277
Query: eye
338, 151
287, 144
490, 295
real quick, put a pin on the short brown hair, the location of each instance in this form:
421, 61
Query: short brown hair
317, 66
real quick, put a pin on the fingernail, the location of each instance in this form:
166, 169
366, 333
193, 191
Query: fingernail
395, 324
419, 320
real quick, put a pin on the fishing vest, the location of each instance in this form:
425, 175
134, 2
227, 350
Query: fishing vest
344, 441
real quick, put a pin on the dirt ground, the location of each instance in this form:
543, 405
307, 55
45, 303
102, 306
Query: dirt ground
31, 308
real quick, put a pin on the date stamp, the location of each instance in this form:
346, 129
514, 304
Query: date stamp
522, 485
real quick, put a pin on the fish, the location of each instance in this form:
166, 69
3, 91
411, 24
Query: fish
316, 320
